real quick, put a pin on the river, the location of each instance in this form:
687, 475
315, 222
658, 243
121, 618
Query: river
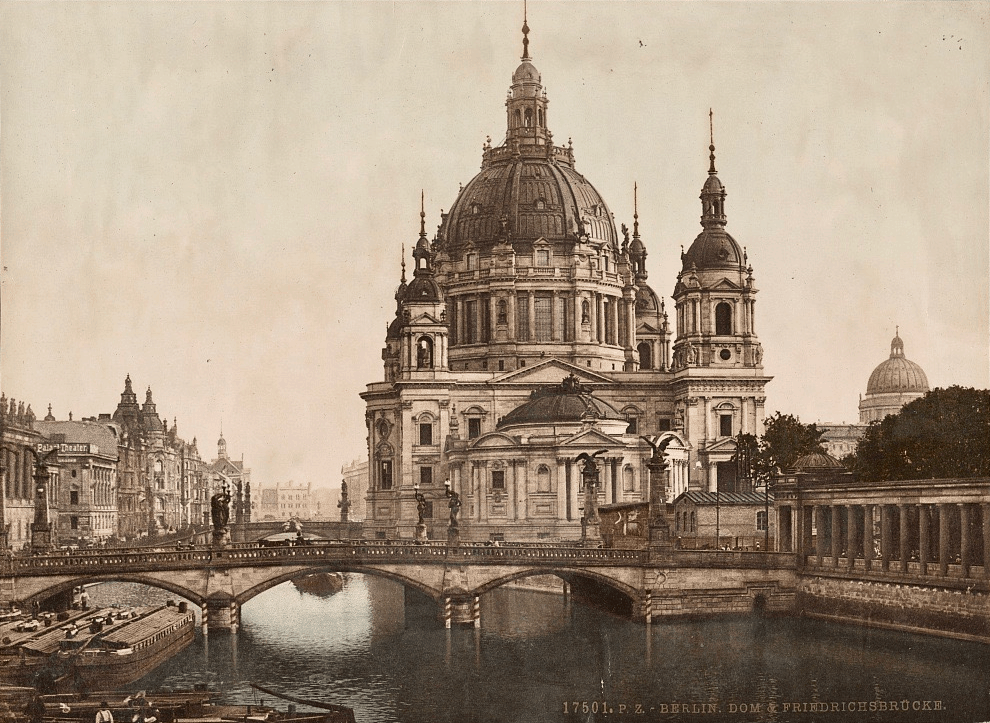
538, 658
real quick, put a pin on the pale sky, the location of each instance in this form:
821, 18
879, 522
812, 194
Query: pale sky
212, 197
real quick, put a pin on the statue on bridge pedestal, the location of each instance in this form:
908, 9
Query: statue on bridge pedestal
453, 534
220, 514
657, 465
591, 524
344, 504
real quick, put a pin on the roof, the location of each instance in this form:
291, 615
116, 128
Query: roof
725, 498
567, 402
99, 434
713, 248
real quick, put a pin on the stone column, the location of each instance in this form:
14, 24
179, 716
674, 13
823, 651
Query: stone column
984, 516
868, 537
631, 324
600, 313
576, 305
924, 551
561, 489
902, 514
513, 491
492, 318
850, 536
556, 323
510, 313
807, 512
836, 534
531, 300
964, 543
886, 538
943, 539
819, 511
483, 490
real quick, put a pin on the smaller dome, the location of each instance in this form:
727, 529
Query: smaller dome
423, 288
713, 185
526, 73
713, 248
569, 402
897, 374
818, 461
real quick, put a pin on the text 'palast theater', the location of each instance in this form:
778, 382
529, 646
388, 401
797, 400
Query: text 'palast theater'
529, 334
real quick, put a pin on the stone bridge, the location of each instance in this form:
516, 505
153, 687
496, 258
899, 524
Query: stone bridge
220, 580
328, 529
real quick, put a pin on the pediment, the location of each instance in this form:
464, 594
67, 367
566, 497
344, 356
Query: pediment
592, 438
425, 318
724, 285
646, 329
551, 371
495, 439
726, 444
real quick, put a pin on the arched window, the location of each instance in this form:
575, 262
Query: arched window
518, 117
694, 522
543, 478
539, 115
627, 478
501, 313
723, 319
645, 355
529, 117
424, 353
585, 312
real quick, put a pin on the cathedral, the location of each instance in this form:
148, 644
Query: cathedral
529, 334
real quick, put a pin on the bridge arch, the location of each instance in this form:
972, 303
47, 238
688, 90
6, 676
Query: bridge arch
287, 576
564, 573
62, 585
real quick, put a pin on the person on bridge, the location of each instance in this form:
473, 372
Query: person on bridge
103, 715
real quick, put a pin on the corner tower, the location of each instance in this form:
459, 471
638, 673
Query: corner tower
717, 359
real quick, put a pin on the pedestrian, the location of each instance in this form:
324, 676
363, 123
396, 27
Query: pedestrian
35, 709
103, 715
84, 599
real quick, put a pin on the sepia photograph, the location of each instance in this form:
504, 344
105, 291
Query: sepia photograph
502, 361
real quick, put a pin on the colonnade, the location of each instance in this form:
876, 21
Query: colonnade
943, 538
571, 316
19, 464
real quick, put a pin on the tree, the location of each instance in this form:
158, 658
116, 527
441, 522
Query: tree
785, 440
945, 433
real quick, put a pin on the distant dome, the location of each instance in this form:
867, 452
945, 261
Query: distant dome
568, 402
818, 461
897, 374
526, 73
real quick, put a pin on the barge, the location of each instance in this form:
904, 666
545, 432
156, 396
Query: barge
92, 649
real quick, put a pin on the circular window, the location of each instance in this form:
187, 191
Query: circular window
725, 354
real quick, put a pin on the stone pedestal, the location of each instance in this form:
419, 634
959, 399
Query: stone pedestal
453, 536
421, 532
41, 537
221, 537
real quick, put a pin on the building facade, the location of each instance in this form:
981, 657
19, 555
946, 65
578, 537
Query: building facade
529, 286
20, 444
355, 475
232, 475
85, 505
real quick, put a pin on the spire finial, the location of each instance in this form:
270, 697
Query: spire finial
422, 213
635, 209
403, 263
711, 142
525, 30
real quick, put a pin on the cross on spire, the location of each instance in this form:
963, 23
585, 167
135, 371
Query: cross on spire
525, 30
711, 142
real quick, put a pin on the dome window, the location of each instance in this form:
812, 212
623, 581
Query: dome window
472, 262
475, 208
528, 120
542, 257
540, 204
723, 319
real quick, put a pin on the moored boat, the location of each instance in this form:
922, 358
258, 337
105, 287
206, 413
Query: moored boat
95, 648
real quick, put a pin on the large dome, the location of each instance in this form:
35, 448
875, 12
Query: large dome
525, 196
897, 374
568, 402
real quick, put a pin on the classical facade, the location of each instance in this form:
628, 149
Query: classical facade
20, 443
355, 475
894, 383
529, 334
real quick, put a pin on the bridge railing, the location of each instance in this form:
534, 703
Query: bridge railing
364, 552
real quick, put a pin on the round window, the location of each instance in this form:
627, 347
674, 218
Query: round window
725, 354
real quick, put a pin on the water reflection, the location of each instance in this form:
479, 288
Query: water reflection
391, 659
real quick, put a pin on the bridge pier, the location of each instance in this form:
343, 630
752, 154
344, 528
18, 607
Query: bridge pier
462, 611
221, 615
